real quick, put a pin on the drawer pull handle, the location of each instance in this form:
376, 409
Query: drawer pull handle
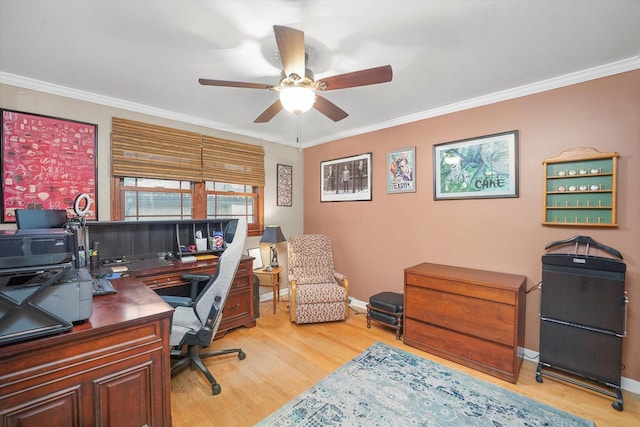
235, 307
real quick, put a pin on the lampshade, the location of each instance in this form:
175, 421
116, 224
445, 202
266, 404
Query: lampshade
297, 99
272, 234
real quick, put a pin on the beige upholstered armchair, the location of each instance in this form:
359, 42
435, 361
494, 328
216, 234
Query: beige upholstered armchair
316, 292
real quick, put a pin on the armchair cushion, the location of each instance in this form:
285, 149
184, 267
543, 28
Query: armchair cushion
314, 274
320, 292
312, 259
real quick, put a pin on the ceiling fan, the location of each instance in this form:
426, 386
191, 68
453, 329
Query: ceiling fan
297, 88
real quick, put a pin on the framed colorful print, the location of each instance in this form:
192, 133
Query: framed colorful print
47, 162
285, 184
483, 167
346, 180
401, 171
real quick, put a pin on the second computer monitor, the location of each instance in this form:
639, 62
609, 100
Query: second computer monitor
40, 218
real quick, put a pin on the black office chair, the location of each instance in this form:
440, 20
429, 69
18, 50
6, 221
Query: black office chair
196, 321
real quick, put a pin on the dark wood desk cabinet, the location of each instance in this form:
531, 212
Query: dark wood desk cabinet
112, 370
239, 308
472, 317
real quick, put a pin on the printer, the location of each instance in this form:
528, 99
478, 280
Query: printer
35, 247
41, 293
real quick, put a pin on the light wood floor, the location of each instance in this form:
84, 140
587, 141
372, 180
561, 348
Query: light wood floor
283, 360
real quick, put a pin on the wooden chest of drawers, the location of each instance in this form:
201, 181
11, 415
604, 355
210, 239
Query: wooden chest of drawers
472, 317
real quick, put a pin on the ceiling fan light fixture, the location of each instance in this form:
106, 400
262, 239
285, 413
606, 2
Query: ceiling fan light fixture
297, 99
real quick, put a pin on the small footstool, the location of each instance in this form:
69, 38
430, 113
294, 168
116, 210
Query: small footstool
386, 308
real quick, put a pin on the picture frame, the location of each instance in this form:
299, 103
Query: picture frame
401, 171
257, 258
285, 185
481, 167
346, 179
47, 162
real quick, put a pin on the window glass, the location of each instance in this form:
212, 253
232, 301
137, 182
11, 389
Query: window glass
224, 186
154, 199
230, 200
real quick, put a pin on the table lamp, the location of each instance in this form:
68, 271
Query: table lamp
273, 234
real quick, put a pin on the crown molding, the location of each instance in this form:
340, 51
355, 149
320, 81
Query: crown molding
54, 89
593, 73
606, 70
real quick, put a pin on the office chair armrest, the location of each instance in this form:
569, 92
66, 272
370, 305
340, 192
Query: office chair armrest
174, 301
195, 280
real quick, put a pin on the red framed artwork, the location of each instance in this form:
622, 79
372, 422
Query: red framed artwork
47, 162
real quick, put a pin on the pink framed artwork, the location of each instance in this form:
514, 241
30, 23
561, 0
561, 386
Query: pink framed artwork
47, 162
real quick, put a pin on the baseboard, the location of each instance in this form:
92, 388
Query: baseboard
269, 295
626, 384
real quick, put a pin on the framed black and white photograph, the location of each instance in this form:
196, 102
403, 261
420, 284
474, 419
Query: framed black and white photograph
285, 185
401, 171
346, 179
482, 167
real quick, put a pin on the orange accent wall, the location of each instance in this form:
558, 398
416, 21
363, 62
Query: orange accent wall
374, 241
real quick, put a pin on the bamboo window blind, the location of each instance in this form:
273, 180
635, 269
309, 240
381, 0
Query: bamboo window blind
232, 162
148, 151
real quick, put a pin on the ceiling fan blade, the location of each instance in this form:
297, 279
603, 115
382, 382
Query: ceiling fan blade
329, 109
291, 47
370, 76
208, 82
269, 113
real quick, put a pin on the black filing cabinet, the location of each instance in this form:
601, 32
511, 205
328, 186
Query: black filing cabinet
582, 320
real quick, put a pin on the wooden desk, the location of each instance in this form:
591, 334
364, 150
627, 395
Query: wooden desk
112, 370
273, 279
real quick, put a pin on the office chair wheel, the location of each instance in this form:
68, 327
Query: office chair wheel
216, 389
242, 355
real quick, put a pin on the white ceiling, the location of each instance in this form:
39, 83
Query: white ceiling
447, 55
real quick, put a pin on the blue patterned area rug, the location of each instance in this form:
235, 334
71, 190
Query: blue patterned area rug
385, 386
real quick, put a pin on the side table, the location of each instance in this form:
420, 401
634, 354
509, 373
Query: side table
271, 278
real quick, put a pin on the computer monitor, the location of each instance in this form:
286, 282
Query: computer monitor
40, 218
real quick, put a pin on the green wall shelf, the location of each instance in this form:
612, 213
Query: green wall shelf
580, 189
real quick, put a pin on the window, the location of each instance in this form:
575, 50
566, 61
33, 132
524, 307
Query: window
154, 199
230, 200
160, 199
164, 173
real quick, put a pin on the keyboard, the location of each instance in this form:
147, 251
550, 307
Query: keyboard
102, 286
